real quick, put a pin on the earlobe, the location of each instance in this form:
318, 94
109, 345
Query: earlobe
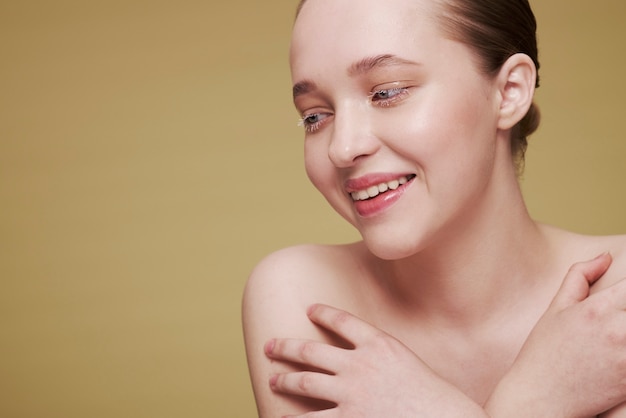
517, 88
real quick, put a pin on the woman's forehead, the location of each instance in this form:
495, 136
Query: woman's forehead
359, 4
385, 12
352, 29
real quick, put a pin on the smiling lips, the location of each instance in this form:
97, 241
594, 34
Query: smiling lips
383, 187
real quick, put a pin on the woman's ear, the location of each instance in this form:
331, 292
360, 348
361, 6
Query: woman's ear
516, 81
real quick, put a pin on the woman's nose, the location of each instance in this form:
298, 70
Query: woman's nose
352, 139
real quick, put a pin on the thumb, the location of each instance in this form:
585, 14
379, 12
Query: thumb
578, 280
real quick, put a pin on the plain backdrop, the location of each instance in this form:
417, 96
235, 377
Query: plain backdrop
149, 157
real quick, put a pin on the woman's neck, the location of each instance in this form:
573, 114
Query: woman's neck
494, 257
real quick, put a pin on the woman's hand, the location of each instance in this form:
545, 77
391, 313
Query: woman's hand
378, 377
573, 364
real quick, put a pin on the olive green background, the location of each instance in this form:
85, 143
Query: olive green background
149, 157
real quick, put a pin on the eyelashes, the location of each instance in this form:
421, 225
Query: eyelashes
313, 121
387, 97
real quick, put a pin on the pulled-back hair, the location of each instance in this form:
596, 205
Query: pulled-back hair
495, 30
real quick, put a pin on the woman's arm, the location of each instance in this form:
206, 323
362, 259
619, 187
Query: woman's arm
293, 376
377, 376
556, 375
574, 360
270, 309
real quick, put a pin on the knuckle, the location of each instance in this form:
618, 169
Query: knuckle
616, 337
596, 309
305, 382
306, 350
384, 345
340, 320
591, 312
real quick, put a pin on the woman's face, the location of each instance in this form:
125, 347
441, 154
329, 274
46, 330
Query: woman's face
400, 126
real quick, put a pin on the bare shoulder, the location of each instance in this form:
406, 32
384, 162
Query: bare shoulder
302, 274
285, 283
278, 292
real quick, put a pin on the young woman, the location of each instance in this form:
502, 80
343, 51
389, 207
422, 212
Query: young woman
454, 303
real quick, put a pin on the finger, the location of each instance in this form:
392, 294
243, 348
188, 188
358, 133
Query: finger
307, 384
342, 323
579, 278
310, 353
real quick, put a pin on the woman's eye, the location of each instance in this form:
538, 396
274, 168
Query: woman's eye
312, 122
386, 97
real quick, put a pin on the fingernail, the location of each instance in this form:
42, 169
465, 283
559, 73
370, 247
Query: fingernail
273, 380
310, 309
269, 346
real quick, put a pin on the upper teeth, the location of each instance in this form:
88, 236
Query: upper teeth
373, 191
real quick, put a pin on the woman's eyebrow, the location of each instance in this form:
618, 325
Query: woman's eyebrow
303, 87
367, 64
358, 68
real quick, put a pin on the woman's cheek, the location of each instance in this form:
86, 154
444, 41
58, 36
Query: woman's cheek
324, 176
314, 164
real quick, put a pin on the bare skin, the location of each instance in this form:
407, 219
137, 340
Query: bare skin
453, 275
474, 360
